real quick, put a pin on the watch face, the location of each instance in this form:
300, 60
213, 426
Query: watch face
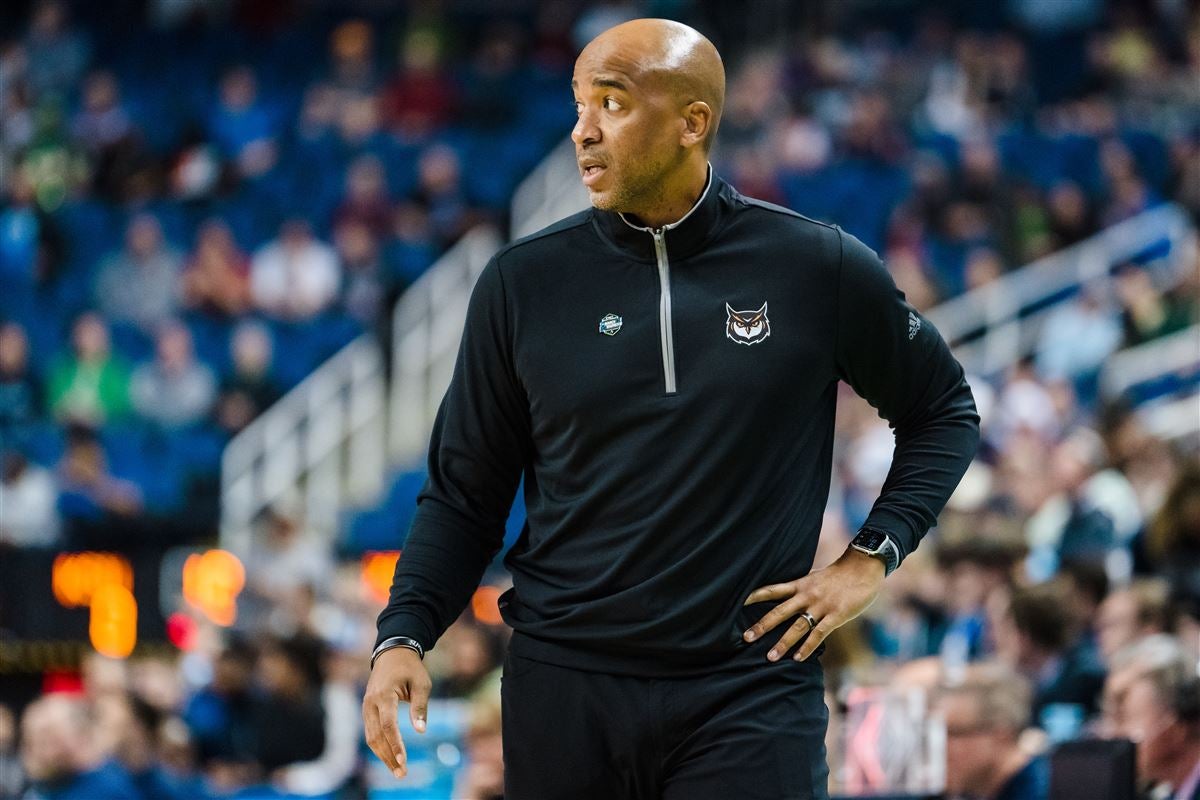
871, 540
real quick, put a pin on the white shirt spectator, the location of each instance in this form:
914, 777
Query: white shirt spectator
28, 506
295, 277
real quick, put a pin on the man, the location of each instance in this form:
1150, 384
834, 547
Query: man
1132, 612
61, 759
663, 368
985, 715
1152, 697
1033, 634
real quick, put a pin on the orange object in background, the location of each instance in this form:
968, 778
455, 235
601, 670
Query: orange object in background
75, 577
112, 627
378, 567
212, 582
485, 607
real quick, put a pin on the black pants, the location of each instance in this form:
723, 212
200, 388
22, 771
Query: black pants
729, 735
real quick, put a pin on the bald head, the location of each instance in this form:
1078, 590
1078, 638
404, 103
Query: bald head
667, 57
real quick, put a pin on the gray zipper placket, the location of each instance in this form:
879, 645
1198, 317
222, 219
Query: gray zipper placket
664, 285
664, 308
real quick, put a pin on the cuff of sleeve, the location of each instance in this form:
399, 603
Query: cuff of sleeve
403, 623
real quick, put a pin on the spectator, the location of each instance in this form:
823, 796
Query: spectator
57, 53
1173, 536
366, 201
1032, 632
288, 560
250, 388
412, 248
140, 285
422, 97
985, 716
1153, 698
91, 386
10, 765
134, 725
474, 650
1131, 613
289, 718
219, 715
60, 758
20, 393
90, 497
29, 500
240, 125
1077, 337
102, 122
295, 277
440, 194
217, 278
1090, 509
174, 390
342, 703
364, 276
1147, 312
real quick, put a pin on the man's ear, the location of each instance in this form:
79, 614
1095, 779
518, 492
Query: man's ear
697, 120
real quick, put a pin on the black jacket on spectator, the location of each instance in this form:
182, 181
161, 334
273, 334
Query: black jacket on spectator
669, 397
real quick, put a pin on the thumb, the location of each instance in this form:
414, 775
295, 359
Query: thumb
418, 707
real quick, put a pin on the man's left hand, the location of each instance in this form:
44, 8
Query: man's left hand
833, 595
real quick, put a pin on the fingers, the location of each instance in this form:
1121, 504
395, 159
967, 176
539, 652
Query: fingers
793, 634
375, 723
390, 733
824, 627
788, 608
776, 591
419, 703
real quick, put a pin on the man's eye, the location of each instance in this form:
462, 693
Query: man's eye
578, 107
610, 104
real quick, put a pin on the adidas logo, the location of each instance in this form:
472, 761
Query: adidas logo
914, 325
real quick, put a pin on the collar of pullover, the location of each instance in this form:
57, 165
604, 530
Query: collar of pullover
683, 237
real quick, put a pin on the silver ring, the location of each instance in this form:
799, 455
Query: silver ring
812, 623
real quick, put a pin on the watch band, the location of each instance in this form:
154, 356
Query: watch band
397, 641
887, 551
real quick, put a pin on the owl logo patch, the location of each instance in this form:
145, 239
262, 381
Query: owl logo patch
747, 327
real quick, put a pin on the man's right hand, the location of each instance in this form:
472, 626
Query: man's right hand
399, 674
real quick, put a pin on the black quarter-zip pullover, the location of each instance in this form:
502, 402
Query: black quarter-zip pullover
669, 396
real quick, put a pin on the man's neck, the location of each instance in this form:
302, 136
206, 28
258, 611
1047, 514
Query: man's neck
1012, 763
1185, 765
677, 200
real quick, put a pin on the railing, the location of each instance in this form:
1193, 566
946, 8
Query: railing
552, 191
427, 326
321, 444
1172, 360
992, 327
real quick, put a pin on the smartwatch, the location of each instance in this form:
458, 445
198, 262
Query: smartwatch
878, 544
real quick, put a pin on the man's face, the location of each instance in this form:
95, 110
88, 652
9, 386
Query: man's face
972, 745
46, 744
1140, 716
627, 137
1116, 623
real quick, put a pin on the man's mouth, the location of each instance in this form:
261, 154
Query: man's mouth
591, 170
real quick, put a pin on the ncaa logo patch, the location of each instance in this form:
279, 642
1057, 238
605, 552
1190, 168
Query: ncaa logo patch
747, 327
610, 324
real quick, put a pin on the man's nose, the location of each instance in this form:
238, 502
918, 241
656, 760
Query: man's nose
586, 131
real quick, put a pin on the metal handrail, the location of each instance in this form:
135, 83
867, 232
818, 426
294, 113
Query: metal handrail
1010, 311
321, 444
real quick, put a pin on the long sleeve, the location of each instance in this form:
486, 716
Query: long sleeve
898, 361
480, 443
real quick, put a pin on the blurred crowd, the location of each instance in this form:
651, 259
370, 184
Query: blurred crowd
189, 225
